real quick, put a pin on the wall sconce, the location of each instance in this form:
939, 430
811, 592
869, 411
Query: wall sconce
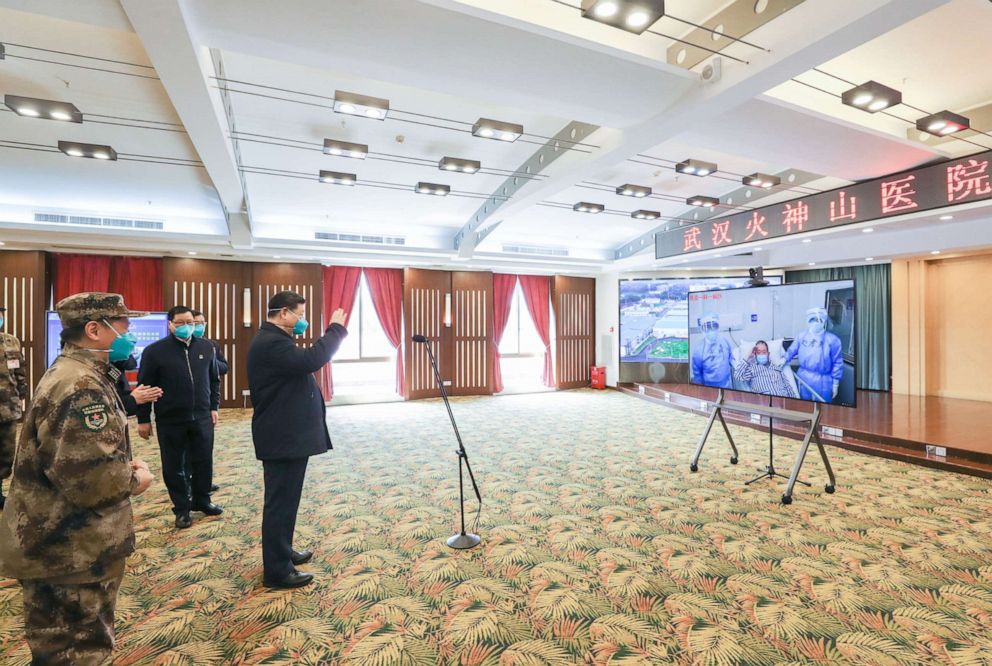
447, 310
246, 307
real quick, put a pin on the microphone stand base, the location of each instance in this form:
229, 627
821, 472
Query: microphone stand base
464, 541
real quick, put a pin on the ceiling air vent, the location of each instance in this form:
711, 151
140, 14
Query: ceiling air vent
88, 220
543, 250
359, 238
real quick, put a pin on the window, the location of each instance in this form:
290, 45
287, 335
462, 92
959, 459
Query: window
366, 340
520, 337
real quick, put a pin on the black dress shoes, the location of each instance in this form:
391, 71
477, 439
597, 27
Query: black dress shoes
210, 509
301, 556
295, 579
184, 520
214, 488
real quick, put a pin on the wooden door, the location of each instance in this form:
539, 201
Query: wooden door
574, 302
24, 289
424, 295
472, 333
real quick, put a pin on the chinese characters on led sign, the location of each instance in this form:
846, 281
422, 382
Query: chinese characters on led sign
946, 184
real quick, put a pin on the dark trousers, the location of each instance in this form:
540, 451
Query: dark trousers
179, 442
70, 624
8, 442
283, 487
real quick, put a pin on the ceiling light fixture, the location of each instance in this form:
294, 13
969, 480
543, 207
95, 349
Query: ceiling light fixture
191, 253
32, 107
764, 180
497, 129
700, 200
807, 240
812, 263
354, 104
90, 150
337, 177
358, 151
631, 15
867, 231
458, 164
645, 215
586, 207
871, 96
869, 258
943, 123
436, 189
944, 218
695, 167
934, 251
639, 191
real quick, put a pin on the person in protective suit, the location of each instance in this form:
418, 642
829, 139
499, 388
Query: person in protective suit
712, 359
821, 358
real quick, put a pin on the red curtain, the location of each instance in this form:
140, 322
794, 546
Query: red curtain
340, 285
503, 286
139, 280
537, 294
75, 273
386, 287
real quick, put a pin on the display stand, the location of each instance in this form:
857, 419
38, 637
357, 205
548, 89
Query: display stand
793, 416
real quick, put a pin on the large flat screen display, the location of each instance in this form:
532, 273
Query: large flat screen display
148, 329
791, 341
654, 316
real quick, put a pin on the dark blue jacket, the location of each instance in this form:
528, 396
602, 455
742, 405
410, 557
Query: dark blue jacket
187, 376
289, 417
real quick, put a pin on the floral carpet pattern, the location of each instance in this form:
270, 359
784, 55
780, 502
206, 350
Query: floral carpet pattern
599, 547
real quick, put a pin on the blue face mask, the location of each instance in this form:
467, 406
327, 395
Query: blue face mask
300, 327
184, 331
762, 359
199, 330
1, 321
816, 327
122, 346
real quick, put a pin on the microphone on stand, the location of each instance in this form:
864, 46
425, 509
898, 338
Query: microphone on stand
463, 540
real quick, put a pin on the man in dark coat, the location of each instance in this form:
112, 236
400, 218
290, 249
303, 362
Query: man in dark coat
288, 425
223, 367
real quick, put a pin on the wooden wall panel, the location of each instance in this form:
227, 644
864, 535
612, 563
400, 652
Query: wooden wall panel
574, 302
217, 289
25, 289
472, 333
423, 314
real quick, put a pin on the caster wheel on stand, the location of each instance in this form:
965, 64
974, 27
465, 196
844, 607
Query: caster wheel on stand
693, 468
733, 460
786, 499
829, 488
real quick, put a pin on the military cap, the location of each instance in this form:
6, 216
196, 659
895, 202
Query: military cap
93, 306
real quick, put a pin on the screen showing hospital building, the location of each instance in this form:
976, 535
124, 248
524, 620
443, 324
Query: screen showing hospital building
148, 329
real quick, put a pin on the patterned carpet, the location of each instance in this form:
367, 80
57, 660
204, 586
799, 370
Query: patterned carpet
599, 547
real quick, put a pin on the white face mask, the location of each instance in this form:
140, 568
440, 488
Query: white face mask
816, 327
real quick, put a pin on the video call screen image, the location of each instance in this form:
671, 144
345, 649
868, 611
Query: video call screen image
654, 316
790, 341
148, 329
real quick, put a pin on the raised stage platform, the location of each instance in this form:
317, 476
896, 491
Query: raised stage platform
944, 433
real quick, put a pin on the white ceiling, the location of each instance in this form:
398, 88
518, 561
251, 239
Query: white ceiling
449, 62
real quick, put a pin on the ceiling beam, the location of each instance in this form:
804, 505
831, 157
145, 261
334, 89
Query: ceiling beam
842, 25
185, 67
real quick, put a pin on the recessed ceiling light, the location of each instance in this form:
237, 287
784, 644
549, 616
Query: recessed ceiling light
867, 230
934, 251
762, 180
700, 200
695, 167
90, 150
757, 249
871, 96
631, 15
869, 258
191, 252
354, 104
638, 191
2, 243
812, 263
807, 240
358, 151
488, 128
944, 218
459, 164
435, 189
276, 256
337, 177
717, 255
586, 207
32, 107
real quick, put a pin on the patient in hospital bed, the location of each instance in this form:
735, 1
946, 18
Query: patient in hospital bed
758, 368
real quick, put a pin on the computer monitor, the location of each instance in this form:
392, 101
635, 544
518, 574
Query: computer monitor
147, 329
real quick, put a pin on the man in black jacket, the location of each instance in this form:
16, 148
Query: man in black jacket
183, 367
288, 425
200, 331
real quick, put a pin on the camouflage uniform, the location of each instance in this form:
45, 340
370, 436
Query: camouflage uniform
67, 526
13, 389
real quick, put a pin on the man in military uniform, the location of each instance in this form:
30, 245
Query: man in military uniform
13, 391
67, 527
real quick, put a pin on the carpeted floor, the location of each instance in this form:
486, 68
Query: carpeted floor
599, 547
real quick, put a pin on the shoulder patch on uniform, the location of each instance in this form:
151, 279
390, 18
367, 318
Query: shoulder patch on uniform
94, 416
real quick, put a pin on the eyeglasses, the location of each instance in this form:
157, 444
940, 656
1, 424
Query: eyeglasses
711, 326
